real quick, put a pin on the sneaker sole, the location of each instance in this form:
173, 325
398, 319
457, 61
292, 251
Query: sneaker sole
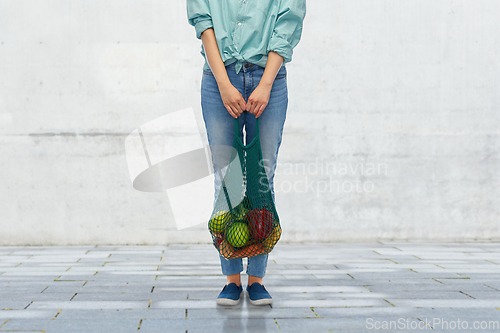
227, 301
263, 301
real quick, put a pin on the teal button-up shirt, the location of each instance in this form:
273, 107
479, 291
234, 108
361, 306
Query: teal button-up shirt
246, 30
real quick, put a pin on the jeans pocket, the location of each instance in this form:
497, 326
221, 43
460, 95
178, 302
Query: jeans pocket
281, 73
208, 72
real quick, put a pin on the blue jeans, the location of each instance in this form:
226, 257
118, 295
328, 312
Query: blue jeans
220, 131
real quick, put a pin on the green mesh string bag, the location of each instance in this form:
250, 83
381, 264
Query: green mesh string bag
244, 221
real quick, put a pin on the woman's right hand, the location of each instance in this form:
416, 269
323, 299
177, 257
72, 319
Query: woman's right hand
232, 99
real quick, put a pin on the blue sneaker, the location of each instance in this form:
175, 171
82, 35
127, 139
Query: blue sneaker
230, 294
258, 295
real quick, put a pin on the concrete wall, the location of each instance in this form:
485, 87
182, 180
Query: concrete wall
392, 129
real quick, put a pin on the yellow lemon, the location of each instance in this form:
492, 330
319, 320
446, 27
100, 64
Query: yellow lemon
218, 222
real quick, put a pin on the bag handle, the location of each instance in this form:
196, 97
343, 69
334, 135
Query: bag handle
237, 127
236, 133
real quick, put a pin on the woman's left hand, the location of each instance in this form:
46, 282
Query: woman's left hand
258, 100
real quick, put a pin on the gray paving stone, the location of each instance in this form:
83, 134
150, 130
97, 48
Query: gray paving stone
316, 325
13, 297
423, 294
23, 288
38, 274
26, 314
27, 278
133, 296
89, 305
318, 289
288, 303
402, 275
163, 325
439, 303
210, 325
315, 287
116, 283
72, 325
493, 294
137, 288
436, 287
480, 276
136, 277
118, 314
324, 281
251, 312
13, 258
199, 294
299, 277
373, 312
187, 304
18, 305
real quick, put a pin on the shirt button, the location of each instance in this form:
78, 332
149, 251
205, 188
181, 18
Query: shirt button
239, 24
236, 47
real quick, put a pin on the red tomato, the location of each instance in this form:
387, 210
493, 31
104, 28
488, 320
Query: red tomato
218, 240
260, 223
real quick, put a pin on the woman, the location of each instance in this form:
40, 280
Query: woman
246, 44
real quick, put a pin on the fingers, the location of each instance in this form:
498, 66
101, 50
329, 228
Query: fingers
251, 105
231, 112
241, 104
260, 110
248, 106
254, 107
232, 100
257, 108
236, 108
256, 104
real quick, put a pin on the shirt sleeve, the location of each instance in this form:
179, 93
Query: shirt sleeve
288, 28
198, 12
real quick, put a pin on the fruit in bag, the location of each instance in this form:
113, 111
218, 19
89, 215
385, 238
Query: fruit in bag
249, 251
244, 220
218, 239
240, 212
238, 234
218, 222
273, 238
260, 223
226, 250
